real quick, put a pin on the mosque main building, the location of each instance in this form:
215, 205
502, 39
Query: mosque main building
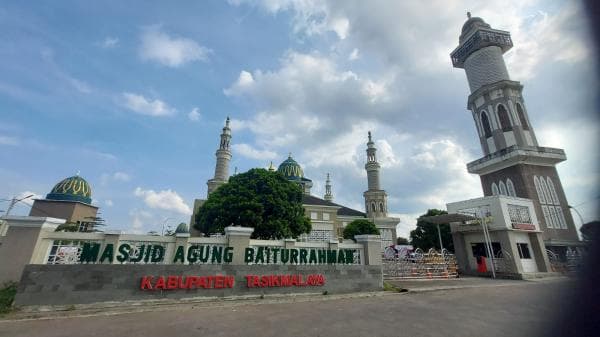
328, 219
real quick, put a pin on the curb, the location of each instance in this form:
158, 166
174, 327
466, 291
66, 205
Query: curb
470, 286
119, 308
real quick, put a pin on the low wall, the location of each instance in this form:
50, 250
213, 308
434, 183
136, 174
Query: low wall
91, 283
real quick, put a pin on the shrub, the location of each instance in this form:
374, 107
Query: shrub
7, 296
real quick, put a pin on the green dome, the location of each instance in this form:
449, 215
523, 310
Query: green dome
182, 228
290, 169
73, 188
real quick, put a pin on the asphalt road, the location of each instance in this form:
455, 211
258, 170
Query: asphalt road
520, 309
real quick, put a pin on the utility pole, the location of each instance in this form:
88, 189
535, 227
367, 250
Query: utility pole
13, 202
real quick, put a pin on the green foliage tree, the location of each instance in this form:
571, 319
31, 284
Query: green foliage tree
401, 241
261, 199
67, 227
360, 227
425, 236
590, 230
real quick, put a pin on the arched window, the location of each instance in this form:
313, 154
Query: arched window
502, 188
511, 188
381, 207
522, 117
487, 131
503, 117
494, 189
538, 189
552, 191
373, 209
545, 191
547, 218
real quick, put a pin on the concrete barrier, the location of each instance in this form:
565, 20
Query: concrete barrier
92, 283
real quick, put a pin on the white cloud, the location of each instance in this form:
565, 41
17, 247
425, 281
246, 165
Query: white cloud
139, 220
7, 140
28, 201
407, 223
105, 178
166, 199
248, 151
446, 160
144, 106
340, 26
417, 43
121, 176
81, 86
353, 55
170, 51
306, 96
110, 42
244, 81
108, 203
194, 115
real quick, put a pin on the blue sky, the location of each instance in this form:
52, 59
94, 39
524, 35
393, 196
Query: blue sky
133, 95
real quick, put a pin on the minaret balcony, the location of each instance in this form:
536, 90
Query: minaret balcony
481, 38
512, 155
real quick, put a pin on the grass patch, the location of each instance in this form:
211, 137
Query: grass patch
390, 287
7, 297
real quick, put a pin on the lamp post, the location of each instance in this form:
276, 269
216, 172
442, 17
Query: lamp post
164, 224
440, 237
578, 214
13, 202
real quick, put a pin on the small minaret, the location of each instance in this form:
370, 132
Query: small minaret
375, 197
223, 157
328, 195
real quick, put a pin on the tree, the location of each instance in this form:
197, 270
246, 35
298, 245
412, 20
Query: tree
360, 227
261, 199
425, 236
67, 227
590, 230
401, 241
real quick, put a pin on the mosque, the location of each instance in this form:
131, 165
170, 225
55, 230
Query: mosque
70, 199
328, 219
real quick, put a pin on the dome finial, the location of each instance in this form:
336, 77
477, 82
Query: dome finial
289, 155
78, 172
227, 122
468, 15
370, 136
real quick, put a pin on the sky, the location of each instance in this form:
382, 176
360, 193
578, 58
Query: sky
133, 96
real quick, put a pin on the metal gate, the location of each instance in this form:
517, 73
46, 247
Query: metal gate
419, 265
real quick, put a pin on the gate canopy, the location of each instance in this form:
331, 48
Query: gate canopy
447, 218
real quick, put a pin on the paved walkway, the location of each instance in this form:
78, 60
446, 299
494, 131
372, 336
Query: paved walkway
522, 309
456, 283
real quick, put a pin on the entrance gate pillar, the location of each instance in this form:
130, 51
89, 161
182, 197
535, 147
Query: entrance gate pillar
239, 239
372, 248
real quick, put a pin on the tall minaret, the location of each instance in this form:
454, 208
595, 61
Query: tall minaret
328, 195
513, 164
223, 157
375, 197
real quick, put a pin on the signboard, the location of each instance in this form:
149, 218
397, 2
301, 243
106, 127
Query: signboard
200, 254
524, 226
175, 282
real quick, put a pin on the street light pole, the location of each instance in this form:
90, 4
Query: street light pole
164, 224
578, 214
13, 202
440, 237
